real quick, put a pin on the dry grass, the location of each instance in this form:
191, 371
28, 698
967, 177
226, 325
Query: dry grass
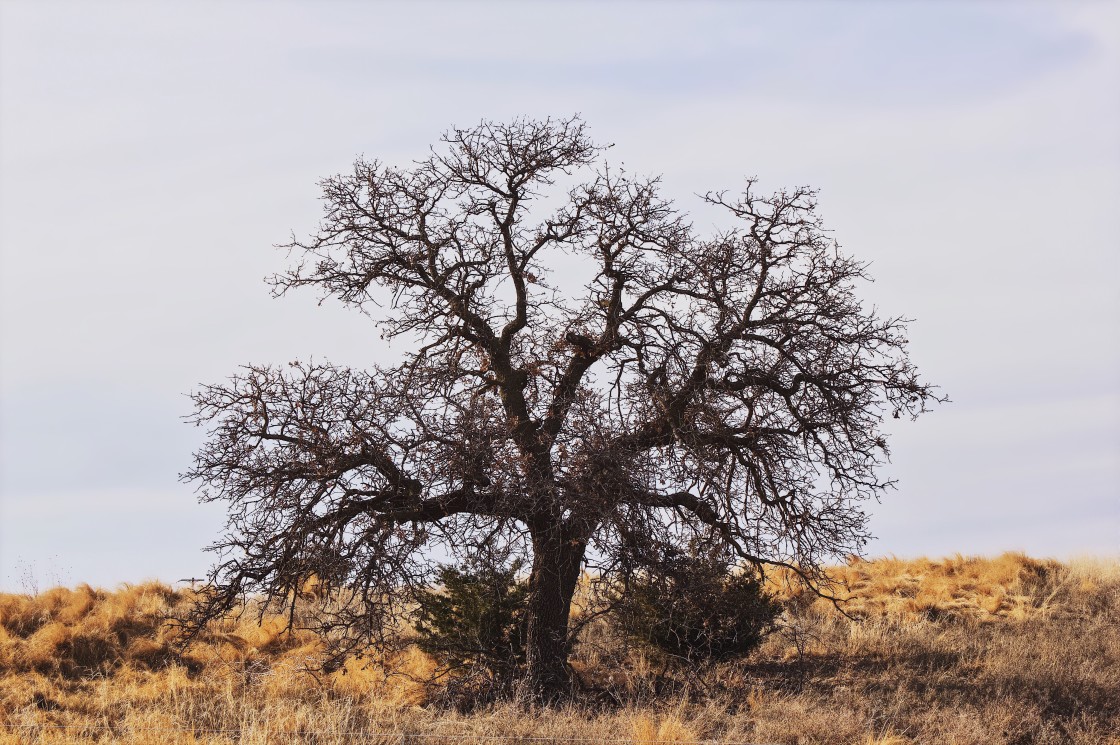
961, 650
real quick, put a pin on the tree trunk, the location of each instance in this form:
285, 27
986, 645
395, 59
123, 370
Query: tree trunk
557, 560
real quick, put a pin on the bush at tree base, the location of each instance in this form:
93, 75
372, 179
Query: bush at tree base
696, 609
474, 626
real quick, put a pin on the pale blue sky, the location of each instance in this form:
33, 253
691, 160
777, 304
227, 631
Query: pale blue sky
152, 153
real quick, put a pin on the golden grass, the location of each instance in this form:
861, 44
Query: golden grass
959, 650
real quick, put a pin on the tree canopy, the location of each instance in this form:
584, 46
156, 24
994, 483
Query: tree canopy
728, 388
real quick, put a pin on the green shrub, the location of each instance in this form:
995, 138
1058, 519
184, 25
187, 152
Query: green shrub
474, 626
696, 609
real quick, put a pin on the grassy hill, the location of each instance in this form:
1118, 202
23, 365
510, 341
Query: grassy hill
959, 650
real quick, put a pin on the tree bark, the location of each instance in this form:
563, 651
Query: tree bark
557, 560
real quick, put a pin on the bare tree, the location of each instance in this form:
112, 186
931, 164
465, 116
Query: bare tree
729, 388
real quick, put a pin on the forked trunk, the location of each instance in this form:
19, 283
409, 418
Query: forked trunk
557, 560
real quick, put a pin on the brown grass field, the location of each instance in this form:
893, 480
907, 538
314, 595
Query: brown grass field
960, 650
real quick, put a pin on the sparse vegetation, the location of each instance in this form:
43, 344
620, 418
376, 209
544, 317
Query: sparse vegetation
960, 650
